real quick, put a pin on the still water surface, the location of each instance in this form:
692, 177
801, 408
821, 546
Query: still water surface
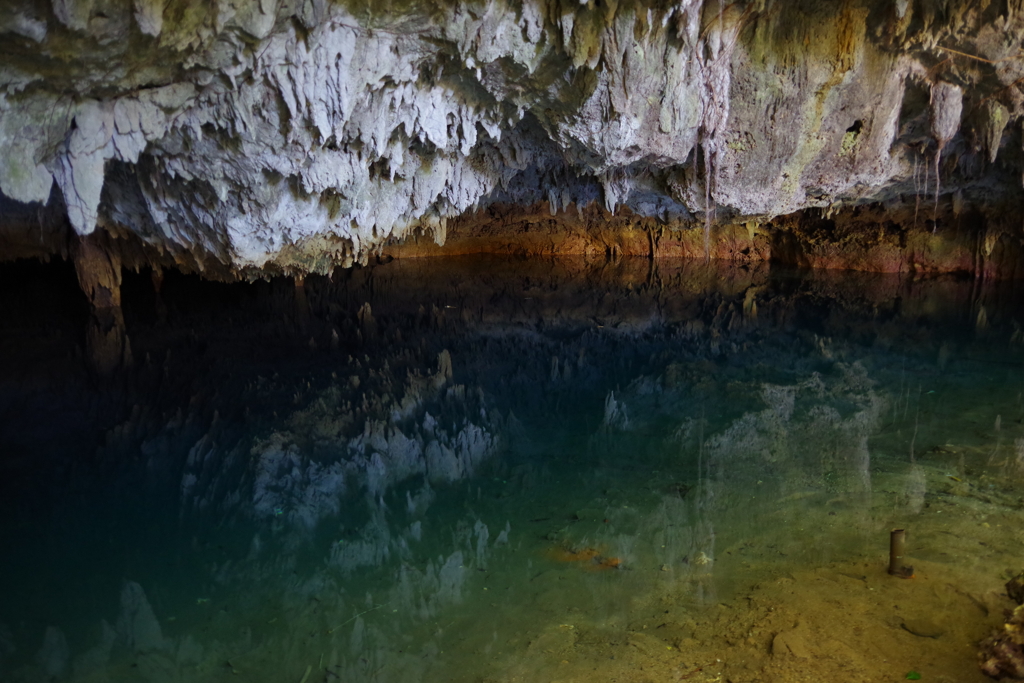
533, 472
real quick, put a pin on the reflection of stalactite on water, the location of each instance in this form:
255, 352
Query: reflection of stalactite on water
400, 439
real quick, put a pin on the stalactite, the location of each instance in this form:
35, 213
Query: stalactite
98, 268
322, 127
946, 106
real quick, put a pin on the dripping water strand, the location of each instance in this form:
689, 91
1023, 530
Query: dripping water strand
935, 208
707, 204
917, 193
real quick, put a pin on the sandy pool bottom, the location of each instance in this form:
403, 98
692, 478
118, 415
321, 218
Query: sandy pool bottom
764, 610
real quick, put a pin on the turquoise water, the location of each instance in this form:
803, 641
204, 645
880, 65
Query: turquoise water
523, 471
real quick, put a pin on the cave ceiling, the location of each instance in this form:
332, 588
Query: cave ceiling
299, 135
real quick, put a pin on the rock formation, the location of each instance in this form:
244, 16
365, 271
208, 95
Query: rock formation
1001, 655
246, 138
99, 276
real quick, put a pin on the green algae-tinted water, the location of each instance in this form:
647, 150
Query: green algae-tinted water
518, 471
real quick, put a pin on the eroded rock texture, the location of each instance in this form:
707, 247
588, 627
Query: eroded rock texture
296, 135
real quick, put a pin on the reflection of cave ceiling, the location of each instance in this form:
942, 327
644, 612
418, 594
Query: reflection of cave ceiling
245, 133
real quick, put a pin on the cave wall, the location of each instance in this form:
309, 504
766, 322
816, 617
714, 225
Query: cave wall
247, 138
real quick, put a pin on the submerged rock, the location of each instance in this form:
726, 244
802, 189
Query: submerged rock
1002, 654
53, 657
137, 626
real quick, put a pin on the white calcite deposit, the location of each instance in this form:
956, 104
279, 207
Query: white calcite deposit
305, 134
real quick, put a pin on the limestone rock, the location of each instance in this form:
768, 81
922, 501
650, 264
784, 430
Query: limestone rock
792, 643
261, 136
946, 107
922, 627
1002, 654
137, 627
53, 657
